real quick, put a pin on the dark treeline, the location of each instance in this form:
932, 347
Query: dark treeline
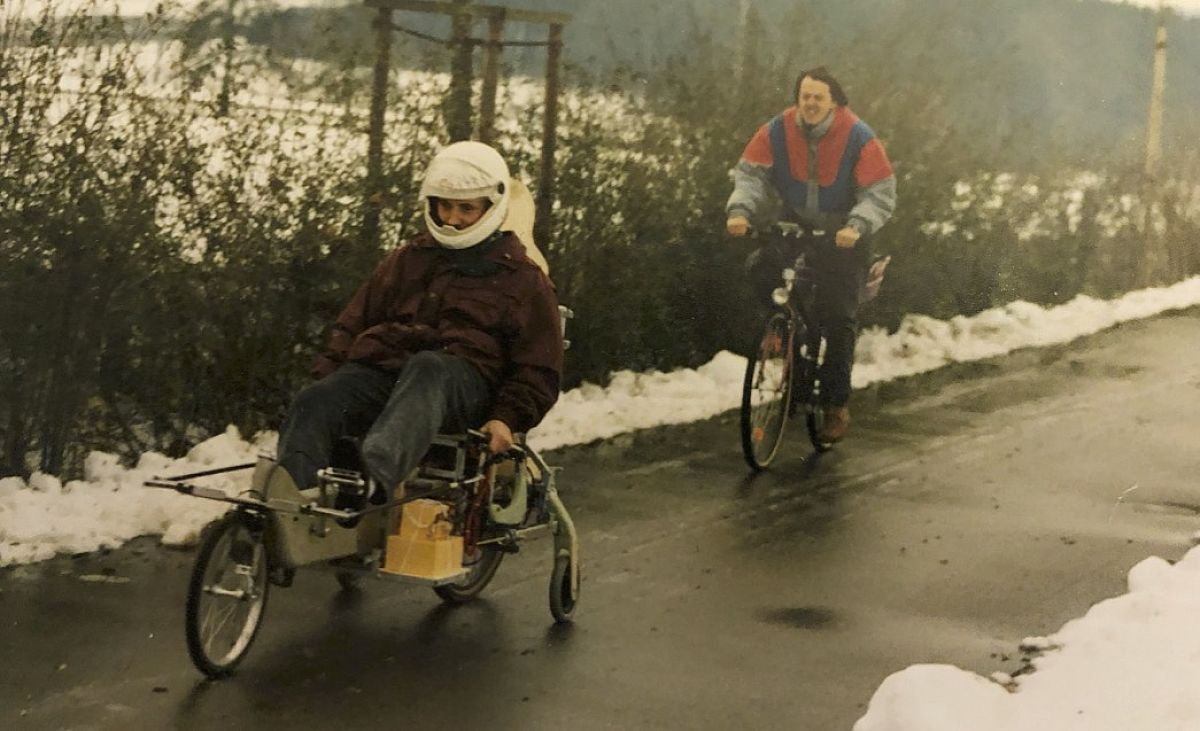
169, 264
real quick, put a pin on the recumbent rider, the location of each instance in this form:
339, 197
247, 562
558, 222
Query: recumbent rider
456, 328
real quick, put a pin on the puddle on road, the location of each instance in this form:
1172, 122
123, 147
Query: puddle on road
799, 617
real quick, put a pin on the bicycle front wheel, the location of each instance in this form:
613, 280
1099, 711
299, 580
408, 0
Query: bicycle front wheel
226, 596
766, 393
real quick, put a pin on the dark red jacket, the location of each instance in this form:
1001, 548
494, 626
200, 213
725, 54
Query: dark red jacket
505, 322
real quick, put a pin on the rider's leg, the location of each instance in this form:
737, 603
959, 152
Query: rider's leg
435, 391
343, 403
839, 275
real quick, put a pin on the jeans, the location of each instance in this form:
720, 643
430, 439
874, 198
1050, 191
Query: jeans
398, 414
840, 274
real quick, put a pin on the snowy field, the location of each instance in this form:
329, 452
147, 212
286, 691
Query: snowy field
137, 7
131, 8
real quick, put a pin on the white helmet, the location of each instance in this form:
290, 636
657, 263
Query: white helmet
466, 170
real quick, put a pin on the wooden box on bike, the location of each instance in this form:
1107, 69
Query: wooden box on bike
423, 547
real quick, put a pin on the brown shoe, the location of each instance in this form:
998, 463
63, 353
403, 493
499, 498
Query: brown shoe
835, 424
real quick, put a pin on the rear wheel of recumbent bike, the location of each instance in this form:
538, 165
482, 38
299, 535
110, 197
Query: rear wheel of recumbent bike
766, 393
564, 593
481, 569
227, 595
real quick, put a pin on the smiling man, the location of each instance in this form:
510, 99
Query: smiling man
831, 173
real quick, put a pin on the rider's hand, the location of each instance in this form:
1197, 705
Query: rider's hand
501, 436
847, 237
737, 225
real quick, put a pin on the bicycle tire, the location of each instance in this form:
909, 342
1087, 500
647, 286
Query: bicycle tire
563, 596
481, 572
807, 391
232, 559
766, 392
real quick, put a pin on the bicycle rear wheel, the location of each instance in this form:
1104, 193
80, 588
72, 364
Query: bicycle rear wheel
766, 393
481, 565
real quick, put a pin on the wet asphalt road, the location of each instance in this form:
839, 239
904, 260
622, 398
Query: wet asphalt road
972, 507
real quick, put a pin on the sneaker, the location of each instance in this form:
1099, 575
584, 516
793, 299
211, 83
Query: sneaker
835, 424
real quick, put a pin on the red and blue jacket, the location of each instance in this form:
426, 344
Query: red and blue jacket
854, 178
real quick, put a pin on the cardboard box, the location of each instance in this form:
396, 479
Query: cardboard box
423, 547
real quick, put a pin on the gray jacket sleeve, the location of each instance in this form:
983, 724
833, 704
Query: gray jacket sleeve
874, 207
751, 188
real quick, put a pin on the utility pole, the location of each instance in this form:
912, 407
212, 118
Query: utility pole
1155, 120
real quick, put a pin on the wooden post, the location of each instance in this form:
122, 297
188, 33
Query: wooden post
545, 197
458, 103
1155, 119
1151, 251
228, 47
491, 73
379, 87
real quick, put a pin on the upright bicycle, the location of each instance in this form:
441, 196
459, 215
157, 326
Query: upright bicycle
783, 373
783, 370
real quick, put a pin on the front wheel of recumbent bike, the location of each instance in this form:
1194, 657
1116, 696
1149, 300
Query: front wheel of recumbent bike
227, 595
766, 393
481, 569
564, 593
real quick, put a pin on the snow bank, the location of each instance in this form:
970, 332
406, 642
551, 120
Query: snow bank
1129, 664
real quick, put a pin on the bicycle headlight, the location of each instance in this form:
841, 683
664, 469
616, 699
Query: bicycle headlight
780, 296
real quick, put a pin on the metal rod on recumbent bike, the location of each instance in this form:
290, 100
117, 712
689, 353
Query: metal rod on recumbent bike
347, 515
206, 473
515, 534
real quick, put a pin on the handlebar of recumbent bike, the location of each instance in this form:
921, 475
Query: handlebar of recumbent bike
482, 439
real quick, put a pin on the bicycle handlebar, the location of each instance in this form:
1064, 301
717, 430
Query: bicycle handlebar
791, 230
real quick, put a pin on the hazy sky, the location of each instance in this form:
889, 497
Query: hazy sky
1188, 7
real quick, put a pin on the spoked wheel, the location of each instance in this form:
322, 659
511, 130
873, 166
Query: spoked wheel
482, 567
562, 597
226, 596
766, 393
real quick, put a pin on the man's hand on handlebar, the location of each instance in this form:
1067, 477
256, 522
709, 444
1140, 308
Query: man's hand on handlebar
737, 225
500, 437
